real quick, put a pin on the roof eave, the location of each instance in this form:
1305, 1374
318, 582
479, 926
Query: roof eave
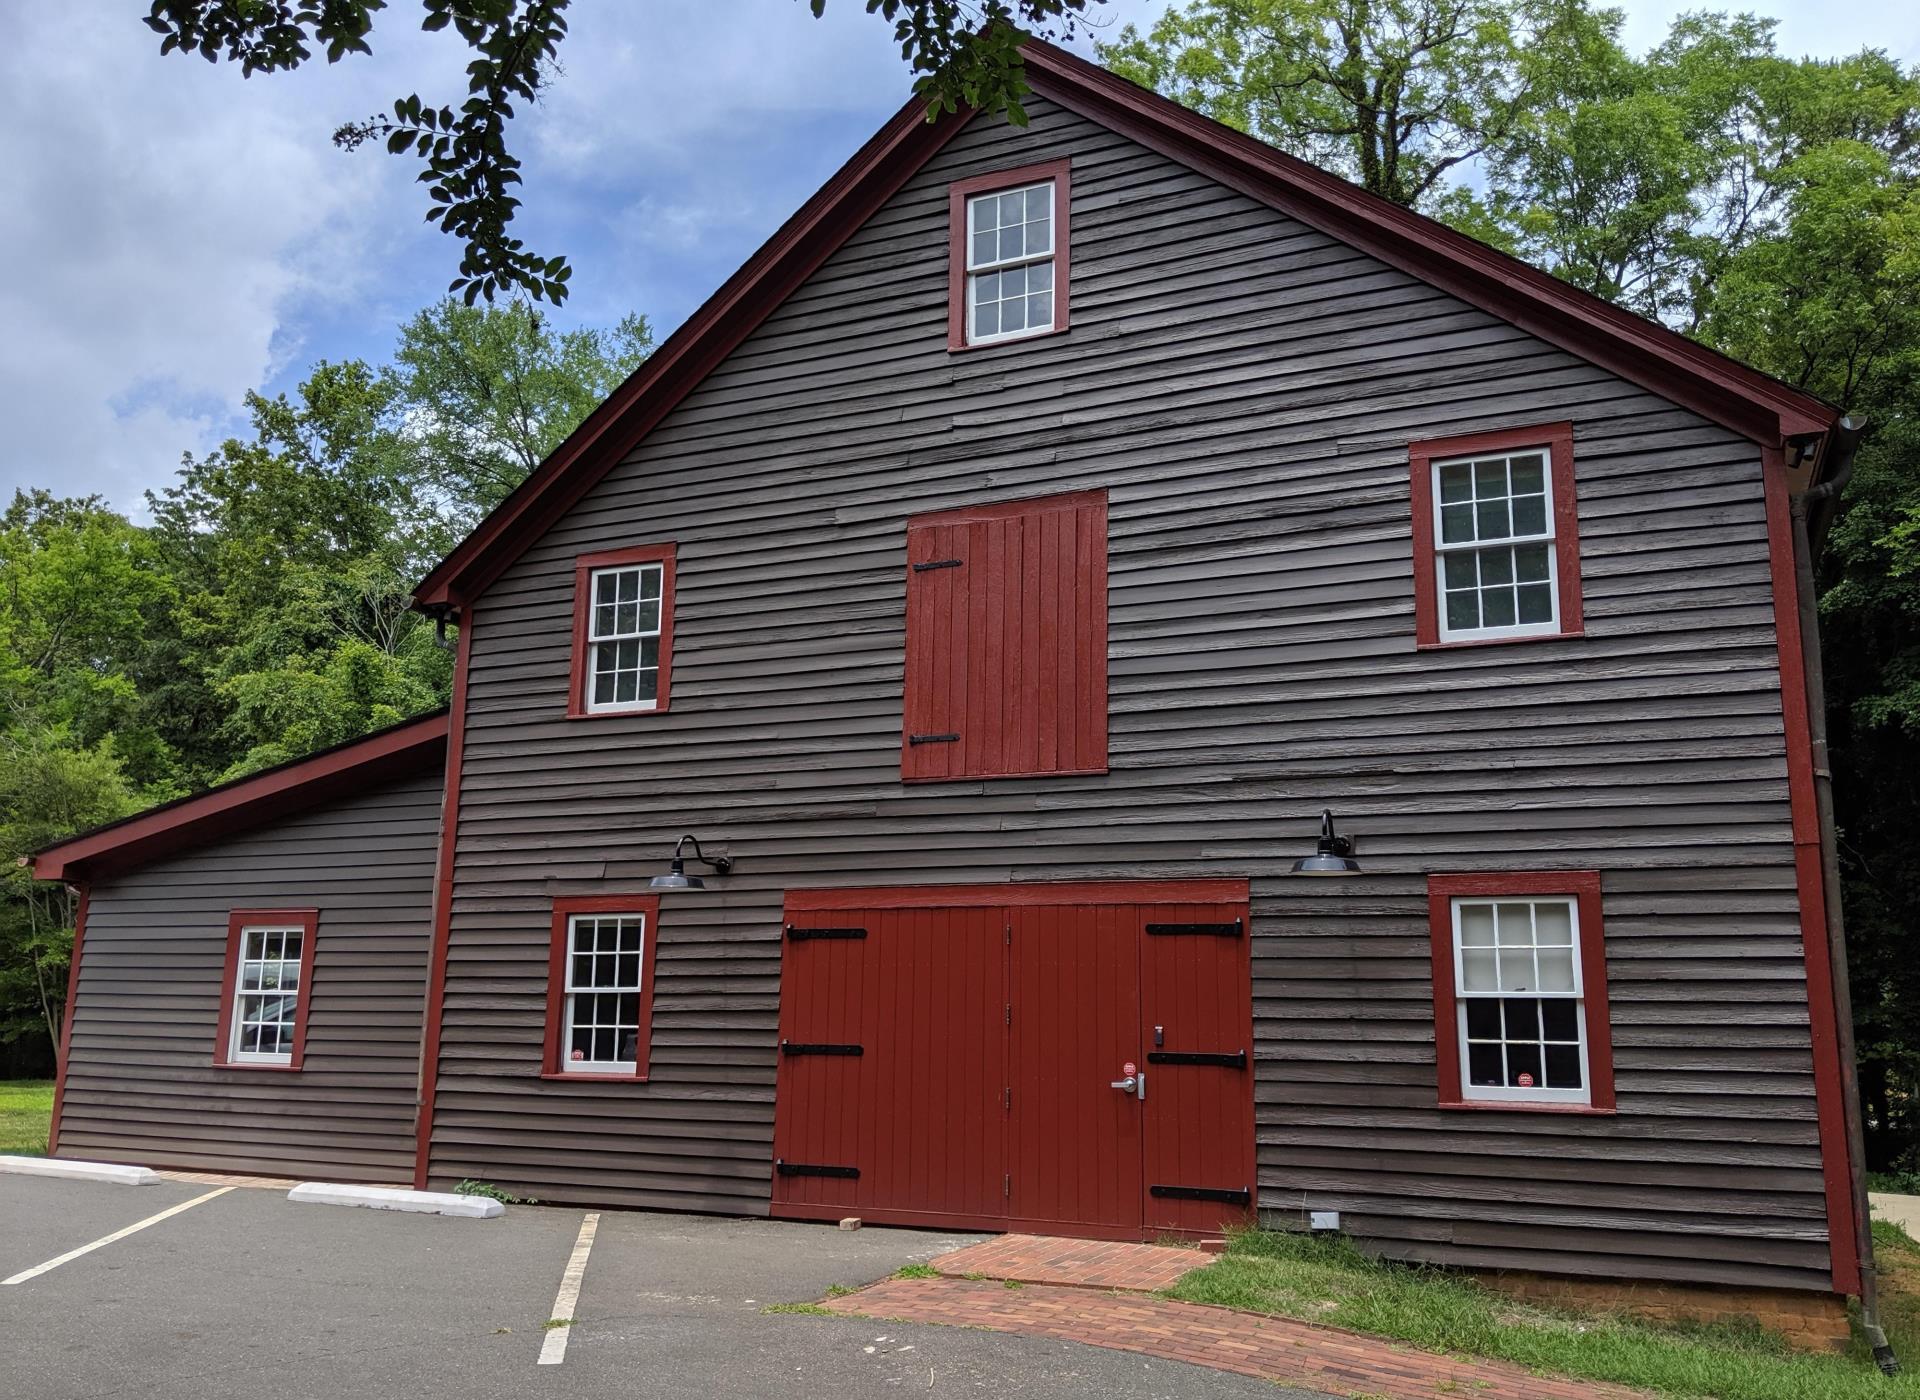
245, 802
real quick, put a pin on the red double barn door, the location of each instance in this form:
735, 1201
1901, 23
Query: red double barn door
1065, 1058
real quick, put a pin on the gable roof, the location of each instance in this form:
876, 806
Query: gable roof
416, 746
1717, 387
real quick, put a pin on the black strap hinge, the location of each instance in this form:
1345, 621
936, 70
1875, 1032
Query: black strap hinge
1231, 930
798, 1047
813, 1169
933, 738
801, 935
1202, 1193
937, 564
1237, 1060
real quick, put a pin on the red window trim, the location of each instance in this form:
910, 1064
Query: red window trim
1558, 439
239, 920
1584, 886
1061, 173
564, 907
583, 567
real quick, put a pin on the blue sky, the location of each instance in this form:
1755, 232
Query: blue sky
176, 235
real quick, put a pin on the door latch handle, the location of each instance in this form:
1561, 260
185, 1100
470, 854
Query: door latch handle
1135, 1084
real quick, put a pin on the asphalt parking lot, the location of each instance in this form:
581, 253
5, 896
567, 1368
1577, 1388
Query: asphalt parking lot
246, 1294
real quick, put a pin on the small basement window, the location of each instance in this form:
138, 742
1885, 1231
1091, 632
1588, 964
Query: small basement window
601, 994
1520, 982
1496, 547
263, 1017
1009, 255
623, 631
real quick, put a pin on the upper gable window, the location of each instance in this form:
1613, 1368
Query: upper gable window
1009, 255
1006, 665
622, 631
1496, 547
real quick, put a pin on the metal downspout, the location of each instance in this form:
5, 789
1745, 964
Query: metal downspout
1846, 443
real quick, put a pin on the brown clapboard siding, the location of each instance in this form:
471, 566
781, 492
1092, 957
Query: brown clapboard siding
1243, 388
141, 1085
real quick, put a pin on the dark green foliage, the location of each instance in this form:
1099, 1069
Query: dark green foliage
265, 612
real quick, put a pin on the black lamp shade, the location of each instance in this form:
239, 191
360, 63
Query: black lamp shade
1334, 855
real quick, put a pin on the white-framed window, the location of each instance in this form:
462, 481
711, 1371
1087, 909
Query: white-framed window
623, 638
1010, 262
600, 1027
1519, 999
1494, 545
266, 994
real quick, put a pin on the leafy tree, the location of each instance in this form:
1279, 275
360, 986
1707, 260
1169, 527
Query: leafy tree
965, 51
491, 392
1393, 94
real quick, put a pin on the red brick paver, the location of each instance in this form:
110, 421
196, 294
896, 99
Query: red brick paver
1075, 1263
1272, 1348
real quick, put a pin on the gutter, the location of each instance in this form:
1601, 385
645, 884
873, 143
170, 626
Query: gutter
1819, 504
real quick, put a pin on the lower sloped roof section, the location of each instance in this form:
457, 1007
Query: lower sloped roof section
415, 746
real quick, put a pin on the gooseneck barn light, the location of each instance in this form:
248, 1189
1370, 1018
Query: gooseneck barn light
1334, 856
677, 878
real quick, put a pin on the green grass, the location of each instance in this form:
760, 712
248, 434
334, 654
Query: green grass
808, 1309
26, 1111
916, 1271
1328, 1279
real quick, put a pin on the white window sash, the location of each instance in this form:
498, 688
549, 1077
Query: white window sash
1507, 1093
974, 269
1548, 537
595, 641
569, 991
238, 993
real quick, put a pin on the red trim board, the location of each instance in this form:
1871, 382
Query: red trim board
1035, 892
1823, 1023
583, 567
244, 803
1639, 350
958, 193
66, 1026
1557, 438
564, 908
442, 905
1584, 886
308, 921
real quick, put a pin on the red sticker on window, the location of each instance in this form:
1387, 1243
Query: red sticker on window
1526, 1081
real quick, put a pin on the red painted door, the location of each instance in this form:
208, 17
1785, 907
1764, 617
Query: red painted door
1075, 1022
892, 1065
955, 1065
1196, 1005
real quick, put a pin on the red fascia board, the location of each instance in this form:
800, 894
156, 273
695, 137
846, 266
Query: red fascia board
692, 352
245, 802
1717, 386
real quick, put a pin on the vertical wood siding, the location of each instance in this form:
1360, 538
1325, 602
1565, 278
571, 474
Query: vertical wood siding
141, 1082
1244, 390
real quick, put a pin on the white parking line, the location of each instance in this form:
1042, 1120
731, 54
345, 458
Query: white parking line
554, 1349
104, 1240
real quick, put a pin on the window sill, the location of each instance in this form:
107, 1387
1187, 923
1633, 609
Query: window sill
1521, 1106
582, 1077
255, 1069
955, 347
575, 712
1496, 641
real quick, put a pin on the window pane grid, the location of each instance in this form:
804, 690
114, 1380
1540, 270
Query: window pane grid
1010, 268
623, 632
267, 994
1494, 545
1521, 1010
603, 975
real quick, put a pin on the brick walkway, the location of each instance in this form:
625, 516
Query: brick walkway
218, 1179
1142, 1268
1272, 1348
